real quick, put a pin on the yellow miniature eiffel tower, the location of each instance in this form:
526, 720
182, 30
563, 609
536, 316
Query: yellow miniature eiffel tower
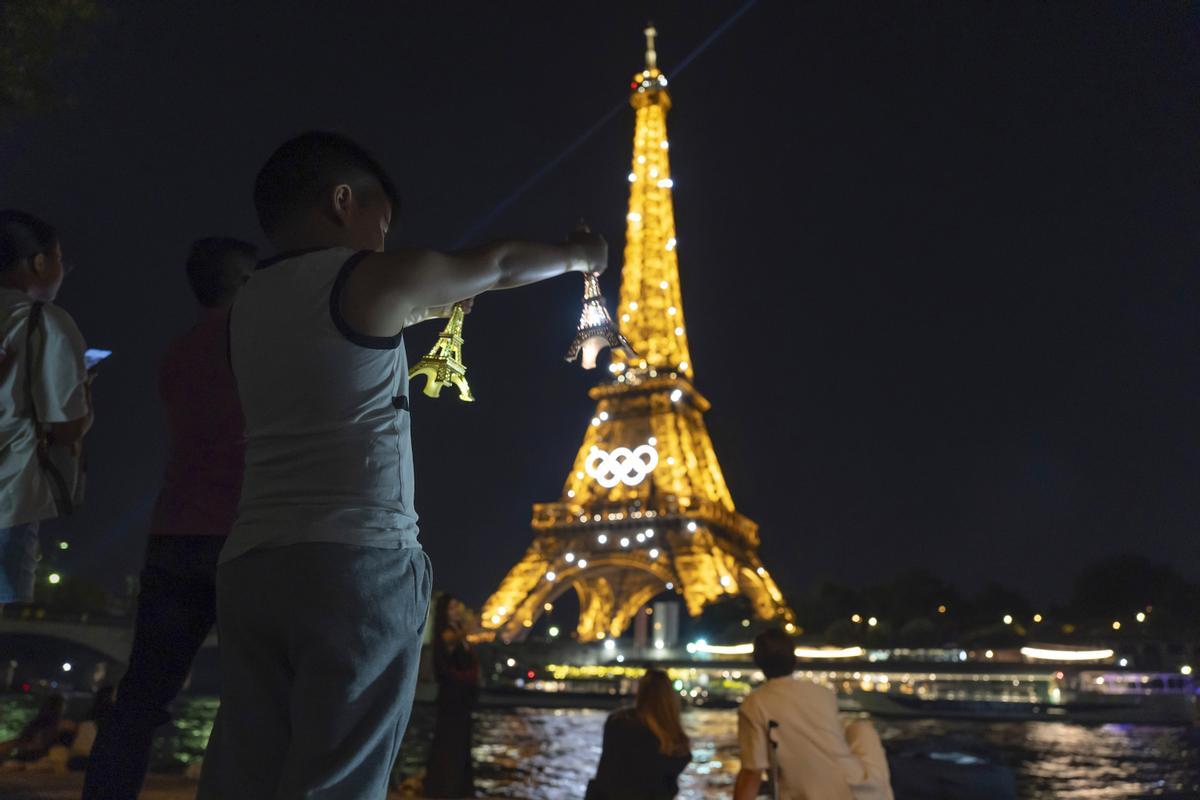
443, 364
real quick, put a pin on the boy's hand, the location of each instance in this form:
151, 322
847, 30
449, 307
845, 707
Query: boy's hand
591, 250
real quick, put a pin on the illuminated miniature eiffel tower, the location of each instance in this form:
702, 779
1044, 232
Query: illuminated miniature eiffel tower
443, 364
645, 508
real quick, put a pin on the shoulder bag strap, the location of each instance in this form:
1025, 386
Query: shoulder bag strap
58, 484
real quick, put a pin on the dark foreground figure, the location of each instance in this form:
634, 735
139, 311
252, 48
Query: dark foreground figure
195, 510
323, 586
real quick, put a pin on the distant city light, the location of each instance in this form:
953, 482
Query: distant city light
1185, 670
988, 654
1037, 617
872, 622
658, 644
547, 606
553, 631
54, 578
67, 666
1057, 654
941, 609
620, 659
700, 646
676, 395
1141, 616
602, 539
624, 541
550, 576
63, 546
691, 526
1116, 626
654, 552
856, 618
512, 662
609, 644
1124, 662
582, 563
569, 558
1008, 619
790, 628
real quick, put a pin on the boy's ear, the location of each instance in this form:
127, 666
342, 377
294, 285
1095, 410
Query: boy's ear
342, 196
37, 264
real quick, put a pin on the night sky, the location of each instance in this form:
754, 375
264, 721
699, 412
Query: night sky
939, 261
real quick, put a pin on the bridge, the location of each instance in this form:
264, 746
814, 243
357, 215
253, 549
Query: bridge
113, 640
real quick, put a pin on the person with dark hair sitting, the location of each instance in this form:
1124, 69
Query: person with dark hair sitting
194, 513
645, 748
791, 728
323, 587
45, 397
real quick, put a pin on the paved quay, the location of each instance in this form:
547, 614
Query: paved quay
49, 786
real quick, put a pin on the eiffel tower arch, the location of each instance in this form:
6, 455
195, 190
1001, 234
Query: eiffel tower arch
645, 508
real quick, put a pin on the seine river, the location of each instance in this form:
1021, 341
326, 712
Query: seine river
550, 753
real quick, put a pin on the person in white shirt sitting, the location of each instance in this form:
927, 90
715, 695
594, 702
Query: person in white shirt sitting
791, 728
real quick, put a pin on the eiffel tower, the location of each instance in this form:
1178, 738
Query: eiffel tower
645, 509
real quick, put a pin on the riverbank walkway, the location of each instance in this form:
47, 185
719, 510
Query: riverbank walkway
50, 786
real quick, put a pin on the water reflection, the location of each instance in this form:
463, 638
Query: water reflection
551, 753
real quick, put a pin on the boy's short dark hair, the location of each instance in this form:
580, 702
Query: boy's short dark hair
302, 169
211, 271
775, 653
22, 236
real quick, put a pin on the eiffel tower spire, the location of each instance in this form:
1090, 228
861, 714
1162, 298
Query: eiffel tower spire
650, 313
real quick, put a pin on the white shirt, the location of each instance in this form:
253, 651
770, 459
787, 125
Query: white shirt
60, 394
328, 456
815, 761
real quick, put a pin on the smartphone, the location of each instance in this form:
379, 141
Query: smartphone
93, 357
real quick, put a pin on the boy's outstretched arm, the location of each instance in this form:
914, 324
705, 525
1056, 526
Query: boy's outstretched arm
388, 289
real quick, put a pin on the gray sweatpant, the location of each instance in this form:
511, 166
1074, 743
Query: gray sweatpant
319, 645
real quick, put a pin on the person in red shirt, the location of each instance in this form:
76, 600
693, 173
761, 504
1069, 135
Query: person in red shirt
195, 512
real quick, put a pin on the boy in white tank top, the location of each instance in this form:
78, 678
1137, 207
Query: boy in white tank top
323, 587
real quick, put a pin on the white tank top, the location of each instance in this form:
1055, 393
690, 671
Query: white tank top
328, 454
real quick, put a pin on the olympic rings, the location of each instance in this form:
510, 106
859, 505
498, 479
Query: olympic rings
622, 465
